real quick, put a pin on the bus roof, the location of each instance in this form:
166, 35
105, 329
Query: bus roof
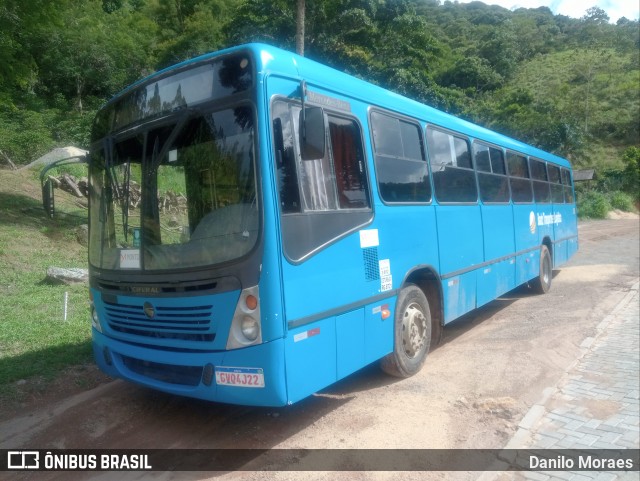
270, 60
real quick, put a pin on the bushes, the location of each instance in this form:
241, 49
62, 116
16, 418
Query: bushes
621, 201
593, 204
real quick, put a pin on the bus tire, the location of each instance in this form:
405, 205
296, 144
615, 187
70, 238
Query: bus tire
542, 283
412, 333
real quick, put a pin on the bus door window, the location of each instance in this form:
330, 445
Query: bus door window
519, 178
289, 193
317, 178
402, 172
335, 185
453, 175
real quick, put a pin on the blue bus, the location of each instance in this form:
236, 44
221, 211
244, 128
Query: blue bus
262, 226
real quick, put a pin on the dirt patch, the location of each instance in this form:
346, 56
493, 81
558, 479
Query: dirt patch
617, 214
30, 394
601, 408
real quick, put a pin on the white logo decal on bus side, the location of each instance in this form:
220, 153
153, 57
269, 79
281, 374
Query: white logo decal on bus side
532, 222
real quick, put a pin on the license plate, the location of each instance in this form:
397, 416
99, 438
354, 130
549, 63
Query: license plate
240, 376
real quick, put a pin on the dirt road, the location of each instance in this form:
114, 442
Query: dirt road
490, 368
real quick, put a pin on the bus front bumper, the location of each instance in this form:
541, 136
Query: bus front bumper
252, 376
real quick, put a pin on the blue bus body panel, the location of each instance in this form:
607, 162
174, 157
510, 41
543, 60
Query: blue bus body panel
322, 352
527, 243
459, 295
350, 342
497, 277
565, 243
310, 353
461, 246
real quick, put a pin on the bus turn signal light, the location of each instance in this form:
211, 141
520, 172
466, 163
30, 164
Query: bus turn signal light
386, 313
251, 302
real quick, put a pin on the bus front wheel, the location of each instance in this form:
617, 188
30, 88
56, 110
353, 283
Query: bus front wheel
412, 333
542, 283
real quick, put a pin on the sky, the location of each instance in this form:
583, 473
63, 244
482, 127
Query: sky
574, 8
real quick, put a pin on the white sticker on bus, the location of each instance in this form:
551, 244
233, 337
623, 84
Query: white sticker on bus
301, 336
369, 238
386, 280
130, 259
385, 267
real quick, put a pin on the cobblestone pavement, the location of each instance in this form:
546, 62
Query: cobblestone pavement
595, 405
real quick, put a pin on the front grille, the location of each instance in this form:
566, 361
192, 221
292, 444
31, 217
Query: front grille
192, 323
169, 373
150, 289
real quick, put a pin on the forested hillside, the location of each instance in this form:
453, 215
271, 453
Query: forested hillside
570, 86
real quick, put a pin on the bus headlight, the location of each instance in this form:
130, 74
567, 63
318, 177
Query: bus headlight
245, 326
250, 328
95, 319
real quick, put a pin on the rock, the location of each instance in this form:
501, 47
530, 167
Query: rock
82, 234
60, 275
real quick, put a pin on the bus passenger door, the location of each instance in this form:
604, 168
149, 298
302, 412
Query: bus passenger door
323, 204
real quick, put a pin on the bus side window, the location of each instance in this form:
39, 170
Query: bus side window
403, 175
566, 182
453, 175
541, 192
519, 178
557, 191
492, 179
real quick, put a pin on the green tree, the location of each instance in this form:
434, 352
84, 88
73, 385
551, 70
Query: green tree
22, 22
189, 29
84, 59
631, 172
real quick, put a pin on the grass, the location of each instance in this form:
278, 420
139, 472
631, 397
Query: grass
35, 339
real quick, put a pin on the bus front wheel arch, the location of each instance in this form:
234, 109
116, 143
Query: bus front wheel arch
412, 333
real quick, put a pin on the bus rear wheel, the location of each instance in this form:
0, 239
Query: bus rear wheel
542, 283
412, 333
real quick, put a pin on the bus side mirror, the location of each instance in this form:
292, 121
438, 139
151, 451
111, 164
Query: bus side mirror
312, 133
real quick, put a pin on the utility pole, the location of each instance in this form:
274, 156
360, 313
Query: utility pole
300, 28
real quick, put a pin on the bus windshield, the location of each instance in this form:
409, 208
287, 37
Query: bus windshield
178, 194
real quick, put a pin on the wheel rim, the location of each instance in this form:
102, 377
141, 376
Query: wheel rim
414, 330
546, 271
